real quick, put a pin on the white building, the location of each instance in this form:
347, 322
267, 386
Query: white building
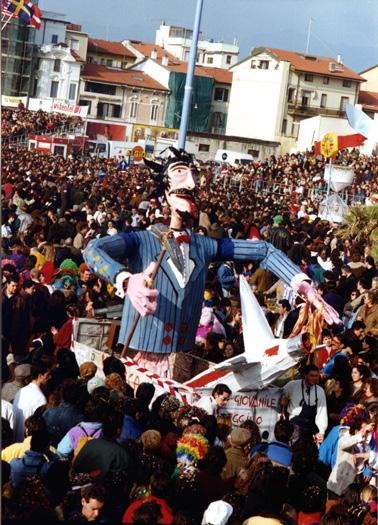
52, 30
274, 90
58, 74
371, 77
178, 40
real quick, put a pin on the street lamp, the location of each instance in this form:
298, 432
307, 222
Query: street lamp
189, 77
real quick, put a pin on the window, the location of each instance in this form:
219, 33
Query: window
284, 126
57, 65
133, 109
290, 95
264, 64
124, 65
253, 152
72, 92
218, 119
86, 103
221, 94
109, 62
59, 150
54, 39
306, 99
347, 83
116, 110
228, 59
253, 64
154, 112
323, 100
74, 44
309, 78
108, 110
54, 89
102, 109
204, 147
343, 102
104, 89
325, 80
210, 60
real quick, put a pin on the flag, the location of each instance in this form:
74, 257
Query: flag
361, 122
20, 10
342, 142
36, 15
5, 8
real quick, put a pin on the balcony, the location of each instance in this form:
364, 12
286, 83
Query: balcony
313, 111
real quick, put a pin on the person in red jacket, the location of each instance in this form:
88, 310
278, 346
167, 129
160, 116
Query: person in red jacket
62, 338
160, 484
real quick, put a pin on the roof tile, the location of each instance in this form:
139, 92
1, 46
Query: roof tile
125, 77
317, 65
108, 47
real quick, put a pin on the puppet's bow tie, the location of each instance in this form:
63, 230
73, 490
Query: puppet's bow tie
183, 238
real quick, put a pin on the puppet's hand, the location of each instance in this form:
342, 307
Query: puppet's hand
313, 297
142, 297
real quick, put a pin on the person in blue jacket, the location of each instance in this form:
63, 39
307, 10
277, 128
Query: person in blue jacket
35, 462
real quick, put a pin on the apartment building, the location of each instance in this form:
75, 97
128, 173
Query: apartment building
119, 95
178, 40
273, 90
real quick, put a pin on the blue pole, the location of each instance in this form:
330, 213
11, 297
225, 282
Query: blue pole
189, 77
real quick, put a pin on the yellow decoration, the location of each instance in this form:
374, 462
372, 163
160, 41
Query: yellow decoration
329, 145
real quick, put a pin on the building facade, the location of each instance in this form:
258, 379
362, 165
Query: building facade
211, 87
108, 53
18, 56
52, 30
58, 74
178, 41
116, 95
77, 40
273, 90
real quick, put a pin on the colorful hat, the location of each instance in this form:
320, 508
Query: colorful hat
191, 448
69, 264
350, 411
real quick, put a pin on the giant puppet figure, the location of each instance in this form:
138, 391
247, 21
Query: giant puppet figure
170, 311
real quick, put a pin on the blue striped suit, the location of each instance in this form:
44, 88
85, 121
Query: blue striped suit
174, 325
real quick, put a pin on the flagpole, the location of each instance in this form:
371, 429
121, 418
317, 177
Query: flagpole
189, 77
6, 22
308, 35
329, 187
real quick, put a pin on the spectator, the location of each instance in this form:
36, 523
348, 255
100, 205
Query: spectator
31, 397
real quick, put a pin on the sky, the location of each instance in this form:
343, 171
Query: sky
345, 27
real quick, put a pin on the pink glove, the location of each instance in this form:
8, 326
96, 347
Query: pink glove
313, 297
143, 298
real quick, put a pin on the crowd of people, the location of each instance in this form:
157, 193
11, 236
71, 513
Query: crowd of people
80, 446
20, 122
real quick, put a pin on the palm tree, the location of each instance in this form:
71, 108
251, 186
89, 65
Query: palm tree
361, 224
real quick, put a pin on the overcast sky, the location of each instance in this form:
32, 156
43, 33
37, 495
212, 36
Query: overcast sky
346, 27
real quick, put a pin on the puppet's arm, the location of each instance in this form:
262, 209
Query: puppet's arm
272, 259
103, 256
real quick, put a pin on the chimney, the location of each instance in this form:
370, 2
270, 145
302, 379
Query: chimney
339, 59
164, 60
154, 54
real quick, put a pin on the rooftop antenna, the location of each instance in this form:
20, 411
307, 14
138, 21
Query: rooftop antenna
309, 34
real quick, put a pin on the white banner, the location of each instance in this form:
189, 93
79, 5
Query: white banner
36, 104
69, 109
262, 406
12, 102
56, 106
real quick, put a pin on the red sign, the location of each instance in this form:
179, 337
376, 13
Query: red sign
138, 153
